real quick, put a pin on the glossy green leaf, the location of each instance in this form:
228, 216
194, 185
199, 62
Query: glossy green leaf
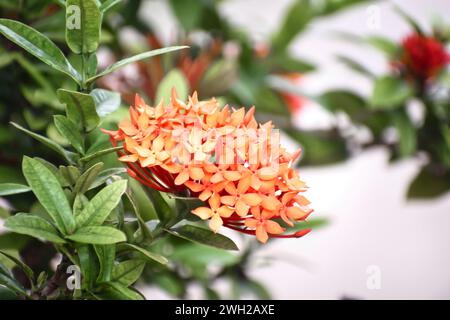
69, 130
49, 193
98, 209
106, 255
390, 92
70, 157
116, 291
69, 173
38, 45
7, 189
89, 265
33, 226
80, 108
87, 178
100, 153
106, 102
108, 4
83, 25
141, 56
12, 284
175, 79
204, 236
163, 210
127, 272
80, 202
106, 174
98, 235
406, 132
147, 254
340, 100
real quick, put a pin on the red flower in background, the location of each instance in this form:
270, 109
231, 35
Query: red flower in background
423, 57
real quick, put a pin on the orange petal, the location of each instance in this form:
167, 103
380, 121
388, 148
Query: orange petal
242, 208
196, 187
205, 195
196, 173
296, 213
251, 223
270, 203
149, 161
203, 212
244, 184
273, 227
232, 175
267, 173
228, 200
252, 199
214, 201
261, 234
225, 211
217, 177
216, 222
182, 177
129, 158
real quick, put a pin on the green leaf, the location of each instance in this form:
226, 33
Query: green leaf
141, 56
106, 174
106, 102
83, 25
100, 153
204, 236
163, 210
87, 178
408, 19
70, 157
106, 255
147, 254
79, 204
88, 265
389, 93
385, 45
346, 101
429, 184
98, 209
69, 130
49, 193
173, 80
26, 269
128, 272
7, 189
98, 235
188, 12
80, 108
69, 173
116, 291
406, 132
38, 45
355, 66
33, 226
108, 4
12, 284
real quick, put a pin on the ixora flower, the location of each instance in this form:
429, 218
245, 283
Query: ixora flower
423, 57
219, 155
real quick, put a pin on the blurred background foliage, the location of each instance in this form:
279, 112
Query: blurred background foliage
226, 63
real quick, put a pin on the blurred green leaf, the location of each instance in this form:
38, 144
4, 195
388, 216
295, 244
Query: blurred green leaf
108, 4
88, 265
429, 184
385, 45
173, 80
128, 272
355, 66
188, 12
147, 254
87, 178
407, 133
7, 189
106, 255
33, 226
389, 93
91, 156
345, 101
116, 291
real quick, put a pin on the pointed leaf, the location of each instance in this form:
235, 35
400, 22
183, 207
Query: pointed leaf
99, 208
83, 25
87, 178
88, 264
70, 157
174, 79
80, 108
7, 189
98, 235
100, 153
128, 272
204, 236
108, 4
106, 255
69, 130
33, 226
26, 269
106, 101
390, 92
49, 193
149, 255
38, 45
141, 56
116, 291
106, 174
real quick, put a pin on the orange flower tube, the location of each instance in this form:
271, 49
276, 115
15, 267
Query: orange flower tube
219, 155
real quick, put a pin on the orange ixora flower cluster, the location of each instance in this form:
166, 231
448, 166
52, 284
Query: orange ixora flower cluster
221, 156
